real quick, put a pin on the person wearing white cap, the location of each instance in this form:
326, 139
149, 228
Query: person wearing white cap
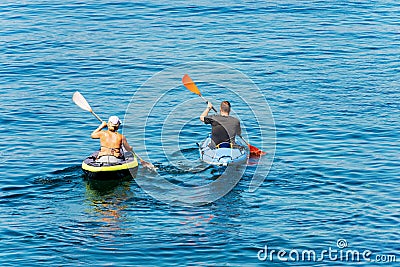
111, 141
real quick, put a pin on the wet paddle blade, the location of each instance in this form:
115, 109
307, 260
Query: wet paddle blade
148, 165
254, 151
190, 85
81, 102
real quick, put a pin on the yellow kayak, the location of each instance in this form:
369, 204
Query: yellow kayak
94, 169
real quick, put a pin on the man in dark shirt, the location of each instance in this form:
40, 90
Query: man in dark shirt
224, 127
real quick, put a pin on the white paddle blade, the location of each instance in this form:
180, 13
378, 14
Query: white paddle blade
148, 165
81, 102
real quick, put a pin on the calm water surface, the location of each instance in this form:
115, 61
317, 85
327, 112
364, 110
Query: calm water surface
328, 69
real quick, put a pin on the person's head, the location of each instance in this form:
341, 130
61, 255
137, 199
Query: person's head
225, 107
113, 123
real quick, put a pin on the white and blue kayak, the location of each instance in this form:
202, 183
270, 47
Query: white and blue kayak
223, 156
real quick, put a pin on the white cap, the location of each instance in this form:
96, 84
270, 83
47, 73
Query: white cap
114, 120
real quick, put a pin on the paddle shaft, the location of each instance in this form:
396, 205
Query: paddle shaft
97, 117
207, 103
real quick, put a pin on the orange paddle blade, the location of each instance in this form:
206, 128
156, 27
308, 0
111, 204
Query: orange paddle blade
190, 85
254, 151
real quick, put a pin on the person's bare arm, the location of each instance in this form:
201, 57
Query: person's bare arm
125, 144
206, 111
97, 133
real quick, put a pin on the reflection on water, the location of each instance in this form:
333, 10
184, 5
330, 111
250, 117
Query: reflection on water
109, 198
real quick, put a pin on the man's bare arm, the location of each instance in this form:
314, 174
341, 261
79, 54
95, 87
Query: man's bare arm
206, 111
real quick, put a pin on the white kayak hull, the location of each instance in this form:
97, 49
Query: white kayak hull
223, 156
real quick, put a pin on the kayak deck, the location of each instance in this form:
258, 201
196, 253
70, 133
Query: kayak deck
109, 171
223, 156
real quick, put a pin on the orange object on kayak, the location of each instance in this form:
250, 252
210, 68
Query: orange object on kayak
254, 151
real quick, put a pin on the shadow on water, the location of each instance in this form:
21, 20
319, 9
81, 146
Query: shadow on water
107, 187
67, 175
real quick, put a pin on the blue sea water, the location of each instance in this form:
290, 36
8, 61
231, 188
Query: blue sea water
329, 71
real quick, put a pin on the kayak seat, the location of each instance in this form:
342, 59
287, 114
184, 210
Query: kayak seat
229, 158
224, 145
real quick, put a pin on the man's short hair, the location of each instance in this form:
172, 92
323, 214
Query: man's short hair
226, 106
